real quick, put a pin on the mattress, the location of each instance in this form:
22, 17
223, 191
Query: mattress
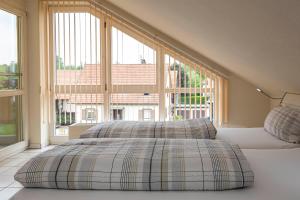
252, 138
148, 164
277, 178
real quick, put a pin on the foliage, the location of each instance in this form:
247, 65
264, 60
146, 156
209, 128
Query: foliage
9, 82
7, 129
9, 68
64, 118
194, 98
186, 76
178, 117
60, 65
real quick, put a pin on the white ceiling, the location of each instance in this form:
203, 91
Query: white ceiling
257, 39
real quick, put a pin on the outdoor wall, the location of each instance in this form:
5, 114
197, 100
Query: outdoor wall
247, 107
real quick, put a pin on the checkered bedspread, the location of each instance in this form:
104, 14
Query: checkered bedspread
195, 128
152, 164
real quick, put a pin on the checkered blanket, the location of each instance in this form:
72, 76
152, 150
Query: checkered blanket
195, 128
152, 164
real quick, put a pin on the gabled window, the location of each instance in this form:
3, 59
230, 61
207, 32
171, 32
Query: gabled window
102, 63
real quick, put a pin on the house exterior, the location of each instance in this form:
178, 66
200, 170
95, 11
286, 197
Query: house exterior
73, 105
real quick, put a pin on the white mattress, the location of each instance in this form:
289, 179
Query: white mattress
252, 138
276, 178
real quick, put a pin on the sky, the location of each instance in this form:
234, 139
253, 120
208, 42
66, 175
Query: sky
78, 42
8, 38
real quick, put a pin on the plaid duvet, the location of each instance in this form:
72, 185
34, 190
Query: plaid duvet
195, 128
151, 164
284, 123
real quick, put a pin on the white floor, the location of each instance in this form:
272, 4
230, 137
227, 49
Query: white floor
8, 168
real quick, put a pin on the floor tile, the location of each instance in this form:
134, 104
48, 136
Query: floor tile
6, 181
7, 193
10, 171
15, 184
8, 167
3, 169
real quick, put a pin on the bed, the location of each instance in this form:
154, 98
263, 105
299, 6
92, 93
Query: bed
139, 164
275, 164
276, 178
253, 138
259, 138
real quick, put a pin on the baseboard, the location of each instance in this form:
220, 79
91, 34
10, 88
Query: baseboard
12, 149
35, 146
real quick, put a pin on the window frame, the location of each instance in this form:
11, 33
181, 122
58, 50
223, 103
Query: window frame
107, 22
22, 90
137, 36
152, 115
98, 89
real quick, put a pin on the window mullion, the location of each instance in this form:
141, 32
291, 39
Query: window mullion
160, 74
106, 53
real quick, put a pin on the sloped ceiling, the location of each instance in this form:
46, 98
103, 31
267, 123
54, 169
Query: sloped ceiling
258, 40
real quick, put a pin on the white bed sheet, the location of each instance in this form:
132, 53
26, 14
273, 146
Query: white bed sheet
253, 138
276, 178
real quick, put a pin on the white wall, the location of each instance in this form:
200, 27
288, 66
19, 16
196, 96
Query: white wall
247, 107
38, 124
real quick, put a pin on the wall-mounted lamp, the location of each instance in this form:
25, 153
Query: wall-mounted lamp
262, 92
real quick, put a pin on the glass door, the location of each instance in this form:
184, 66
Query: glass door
10, 81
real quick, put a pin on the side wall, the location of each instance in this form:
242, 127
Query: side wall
38, 123
247, 107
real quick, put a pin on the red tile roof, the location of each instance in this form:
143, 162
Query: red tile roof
122, 74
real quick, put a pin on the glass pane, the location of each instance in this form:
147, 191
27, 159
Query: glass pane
77, 108
78, 70
9, 68
133, 62
135, 107
190, 91
186, 106
9, 81
10, 123
78, 46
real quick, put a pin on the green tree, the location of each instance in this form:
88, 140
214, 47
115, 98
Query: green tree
182, 75
59, 63
186, 76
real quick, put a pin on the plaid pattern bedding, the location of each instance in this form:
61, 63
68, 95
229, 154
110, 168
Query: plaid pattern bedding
151, 164
284, 123
195, 128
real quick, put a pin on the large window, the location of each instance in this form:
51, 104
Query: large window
133, 76
190, 90
78, 72
107, 70
10, 80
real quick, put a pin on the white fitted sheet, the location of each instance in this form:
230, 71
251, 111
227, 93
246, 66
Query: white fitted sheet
276, 178
252, 138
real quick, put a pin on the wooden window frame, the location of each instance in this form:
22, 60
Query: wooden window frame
107, 89
22, 90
